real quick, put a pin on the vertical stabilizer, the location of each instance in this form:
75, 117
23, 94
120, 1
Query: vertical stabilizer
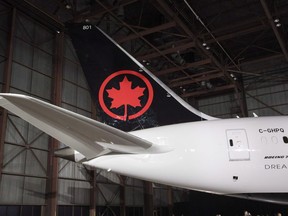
129, 97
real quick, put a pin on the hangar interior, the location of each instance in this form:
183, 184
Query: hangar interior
226, 58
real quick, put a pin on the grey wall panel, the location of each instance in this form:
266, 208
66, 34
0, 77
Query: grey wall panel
14, 159
66, 168
81, 80
34, 191
44, 39
69, 93
84, 99
21, 77
218, 106
81, 172
264, 101
283, 108
82, 193
41, 85
108, 193
100, 199
65, 194
25, 28
69, 169
75, 90
19, 160
23, 53
17, 91
16, 131
134, 182
73, 192
70, 71
263, 98
11, 189
43, 62
4, 17
3, 41
160, 197
37, 138
2, 68
26, 79
134, 196
69, 51
104, 176
36, 163
253, 104
179, 195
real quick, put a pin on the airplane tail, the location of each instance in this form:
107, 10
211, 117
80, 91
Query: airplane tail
128, 95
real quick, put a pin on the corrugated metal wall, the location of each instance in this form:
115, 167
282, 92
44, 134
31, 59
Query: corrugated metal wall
267, 96
218, 106
24, 169
268, 101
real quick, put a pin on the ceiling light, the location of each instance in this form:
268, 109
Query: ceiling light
68, 6
278, 24
204, 44
209, 85
207, 48
276, 20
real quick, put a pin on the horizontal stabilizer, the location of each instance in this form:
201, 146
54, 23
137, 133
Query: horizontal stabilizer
87, 136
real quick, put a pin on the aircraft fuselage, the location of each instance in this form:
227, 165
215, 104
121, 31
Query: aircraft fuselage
220, 156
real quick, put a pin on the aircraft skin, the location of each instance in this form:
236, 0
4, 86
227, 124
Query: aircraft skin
173, 144
199, 156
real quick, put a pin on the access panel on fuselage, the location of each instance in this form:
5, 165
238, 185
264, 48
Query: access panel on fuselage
238, 146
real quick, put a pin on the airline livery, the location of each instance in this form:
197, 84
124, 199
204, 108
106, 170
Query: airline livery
148, 132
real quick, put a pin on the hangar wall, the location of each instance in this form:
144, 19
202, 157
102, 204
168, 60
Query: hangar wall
266, 92
38, 61
27, 55
265, 101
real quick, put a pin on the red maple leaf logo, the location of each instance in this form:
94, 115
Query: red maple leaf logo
125, 96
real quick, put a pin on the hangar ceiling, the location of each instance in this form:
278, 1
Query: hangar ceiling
198, 48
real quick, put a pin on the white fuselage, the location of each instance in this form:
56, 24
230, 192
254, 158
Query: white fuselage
220, 156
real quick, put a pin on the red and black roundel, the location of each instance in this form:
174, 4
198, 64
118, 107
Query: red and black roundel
125, 95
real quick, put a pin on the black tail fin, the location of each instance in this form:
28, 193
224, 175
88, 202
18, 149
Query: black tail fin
129, 96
